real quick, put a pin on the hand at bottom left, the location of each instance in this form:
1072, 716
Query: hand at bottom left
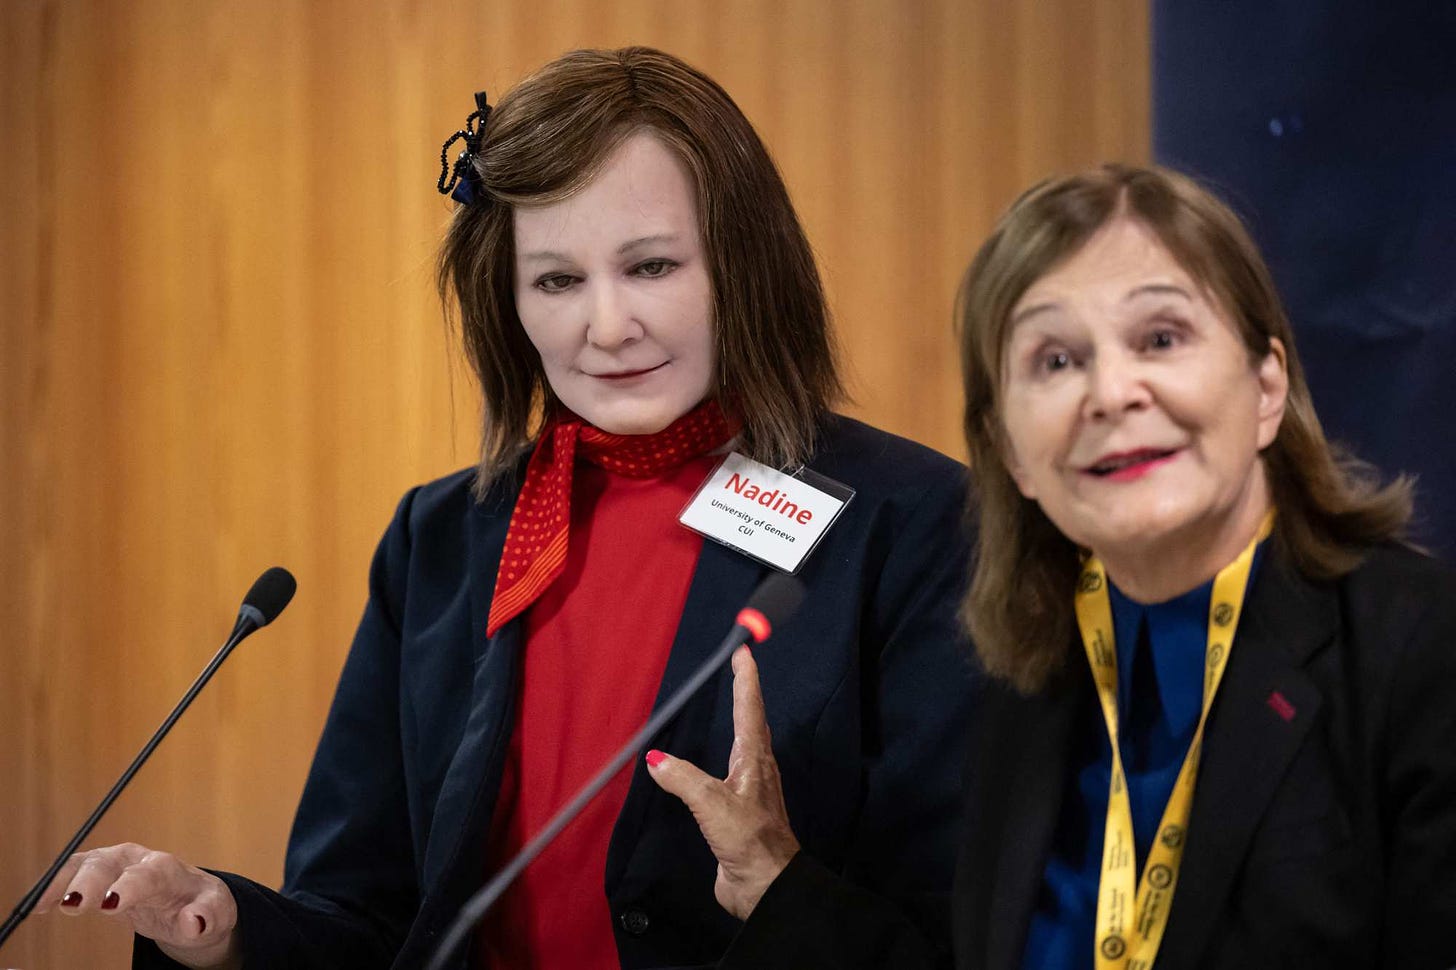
190, 913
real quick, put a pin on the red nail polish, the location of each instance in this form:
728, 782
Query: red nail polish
655, 758
110, 901
71, 899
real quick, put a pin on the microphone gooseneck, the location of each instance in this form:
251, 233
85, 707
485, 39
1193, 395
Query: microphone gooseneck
265, 600
772, 603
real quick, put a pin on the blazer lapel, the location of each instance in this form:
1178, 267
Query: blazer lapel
722, 583
1265, 707
468, 792
1042, 728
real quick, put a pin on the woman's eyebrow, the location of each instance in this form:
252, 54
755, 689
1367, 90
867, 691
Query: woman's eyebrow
1146, 289
1157, 289
640, 241
1025, 313
543, 256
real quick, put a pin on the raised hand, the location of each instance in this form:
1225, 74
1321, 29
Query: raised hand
742, 816
188, 912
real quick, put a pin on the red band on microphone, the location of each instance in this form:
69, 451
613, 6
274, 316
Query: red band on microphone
755, 623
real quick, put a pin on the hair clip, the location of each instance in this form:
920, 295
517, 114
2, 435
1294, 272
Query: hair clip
460, 182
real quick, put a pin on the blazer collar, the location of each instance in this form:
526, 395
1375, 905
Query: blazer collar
1265, 708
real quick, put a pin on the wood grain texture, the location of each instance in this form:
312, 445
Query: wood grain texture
220, 349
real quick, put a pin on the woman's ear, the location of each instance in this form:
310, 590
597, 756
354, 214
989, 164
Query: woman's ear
1273, 373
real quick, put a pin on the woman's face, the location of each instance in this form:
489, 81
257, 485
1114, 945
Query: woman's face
1132, 413
612, 288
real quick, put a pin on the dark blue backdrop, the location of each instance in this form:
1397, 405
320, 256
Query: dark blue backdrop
1332, 128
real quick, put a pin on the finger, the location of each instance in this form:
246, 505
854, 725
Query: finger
60, 885
214, 910
209, 916
699, 791
95, 871
750, 721
158, 882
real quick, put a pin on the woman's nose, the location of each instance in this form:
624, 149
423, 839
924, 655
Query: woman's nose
612, 321
1114, 386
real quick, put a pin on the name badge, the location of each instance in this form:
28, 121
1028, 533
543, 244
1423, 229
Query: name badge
772, 516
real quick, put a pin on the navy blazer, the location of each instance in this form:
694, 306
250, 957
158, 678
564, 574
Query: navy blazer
1323, 828
867, 690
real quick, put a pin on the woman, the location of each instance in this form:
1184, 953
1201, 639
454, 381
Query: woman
637, 299
1171, 555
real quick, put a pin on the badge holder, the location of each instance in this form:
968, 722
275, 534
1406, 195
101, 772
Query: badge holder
771, 516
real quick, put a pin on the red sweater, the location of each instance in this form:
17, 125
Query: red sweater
596, 646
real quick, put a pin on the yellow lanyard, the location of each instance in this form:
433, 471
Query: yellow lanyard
1131, 916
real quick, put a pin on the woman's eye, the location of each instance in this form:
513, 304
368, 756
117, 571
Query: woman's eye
654, 267
1056, 360
555, 282
1162, 339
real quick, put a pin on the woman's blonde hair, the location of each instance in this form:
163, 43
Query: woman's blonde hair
1019, 606
776, 360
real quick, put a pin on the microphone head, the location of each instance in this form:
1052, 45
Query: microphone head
773, 602
269, 595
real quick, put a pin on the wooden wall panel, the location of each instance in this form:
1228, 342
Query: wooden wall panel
220, 349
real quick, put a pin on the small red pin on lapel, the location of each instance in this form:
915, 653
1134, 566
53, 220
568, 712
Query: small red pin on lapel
1281, 706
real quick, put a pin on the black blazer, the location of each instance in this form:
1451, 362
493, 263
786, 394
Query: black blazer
867, 687
1325, 837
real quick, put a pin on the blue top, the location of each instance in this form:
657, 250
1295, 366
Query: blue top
1160, 657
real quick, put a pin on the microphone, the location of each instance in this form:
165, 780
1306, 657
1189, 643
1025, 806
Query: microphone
773, 602
265, 600
267, 597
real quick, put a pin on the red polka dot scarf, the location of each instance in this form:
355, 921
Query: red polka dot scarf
535, 550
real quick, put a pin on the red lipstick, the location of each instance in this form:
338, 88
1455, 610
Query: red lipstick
1126, 466
629, 374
